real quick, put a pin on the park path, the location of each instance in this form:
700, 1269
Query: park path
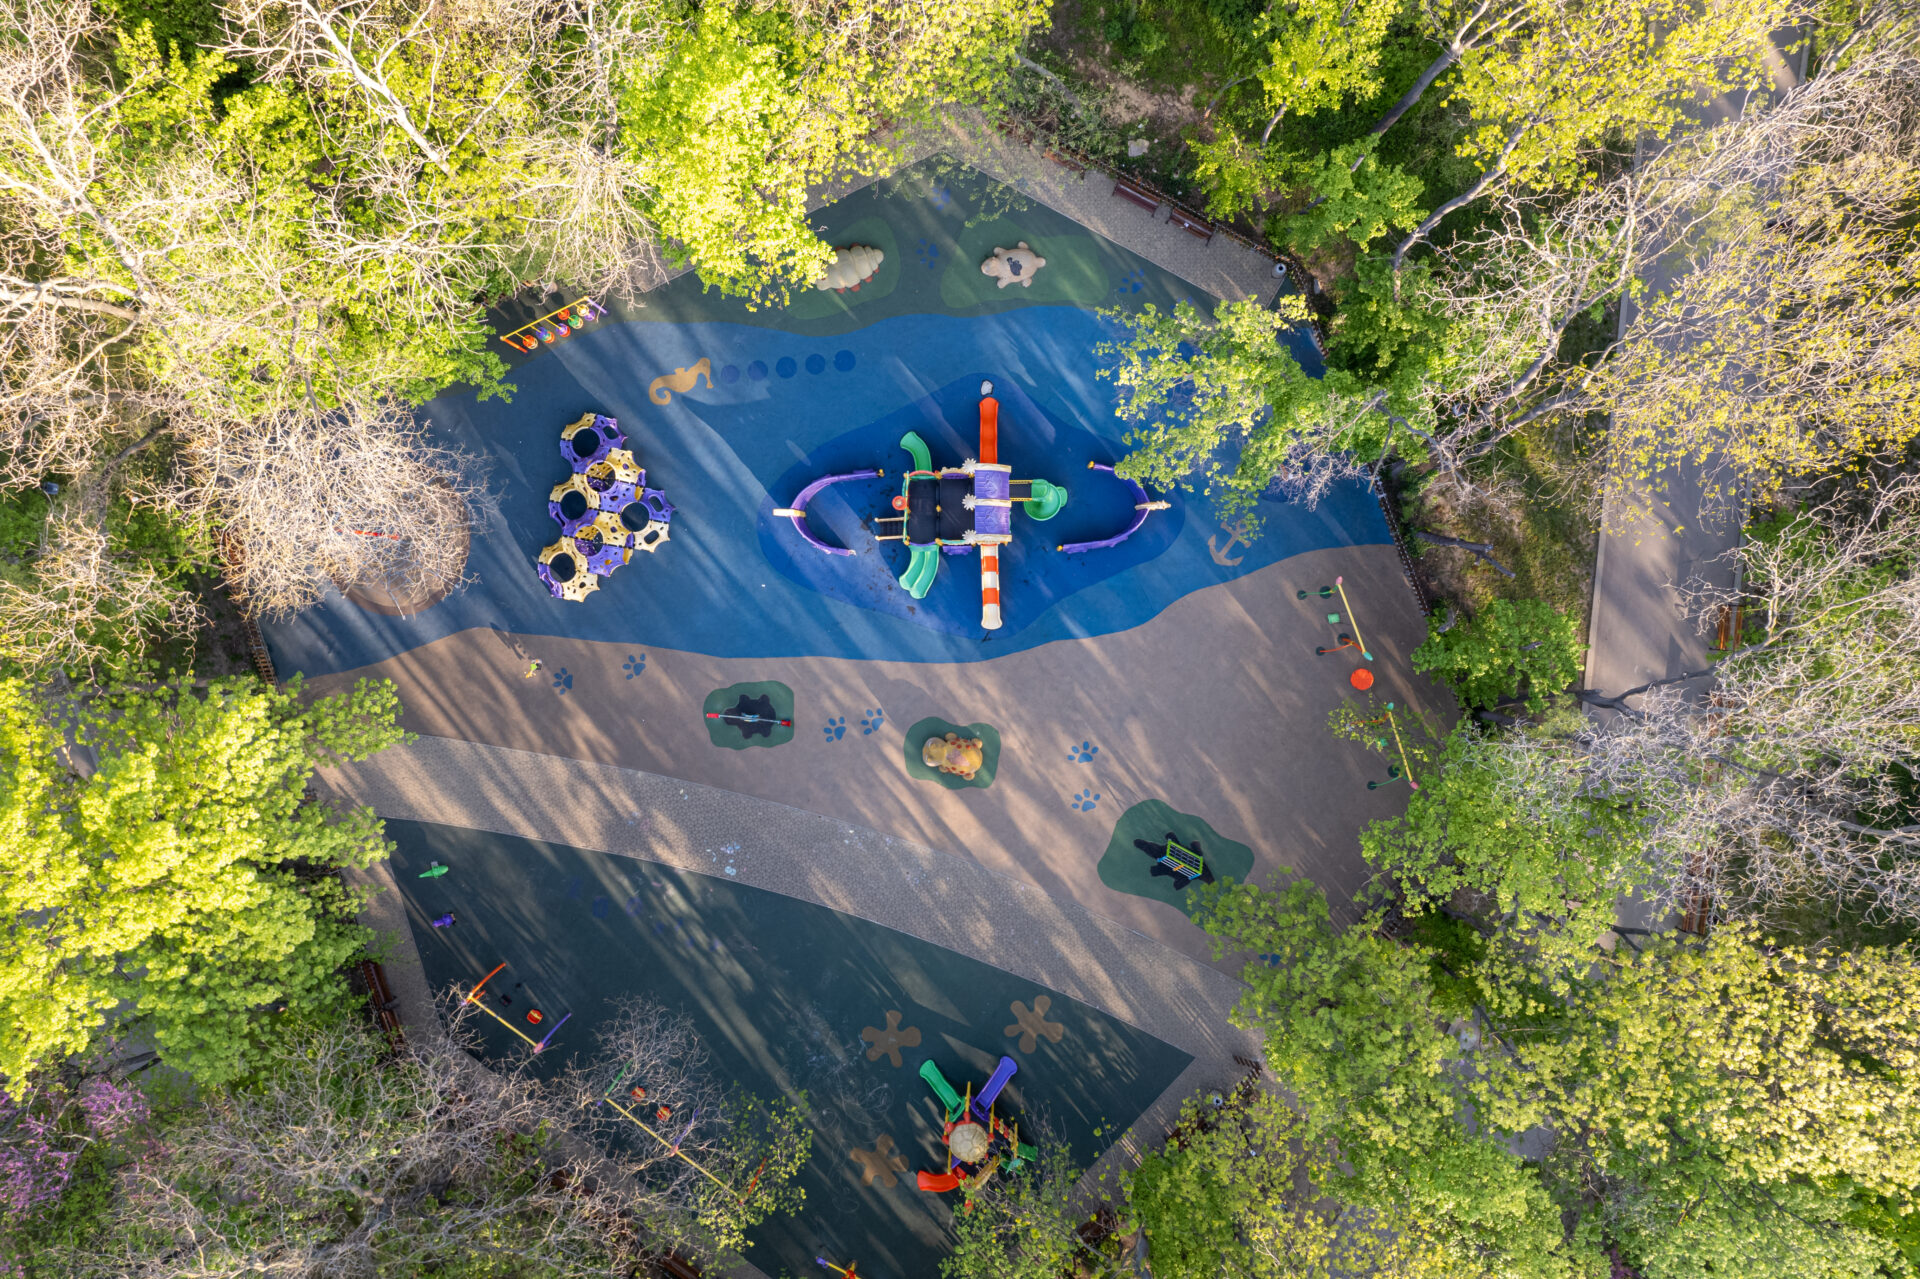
1656, 538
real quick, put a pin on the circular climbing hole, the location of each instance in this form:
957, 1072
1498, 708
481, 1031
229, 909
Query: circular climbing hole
573, 504
634, 516
564, 568
586, 442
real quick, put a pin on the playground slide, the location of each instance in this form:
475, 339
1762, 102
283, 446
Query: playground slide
938, 1182
917, 449
923, 565
943, 1090
983, 1101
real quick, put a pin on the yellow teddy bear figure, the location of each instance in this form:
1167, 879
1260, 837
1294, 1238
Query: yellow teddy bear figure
961, 756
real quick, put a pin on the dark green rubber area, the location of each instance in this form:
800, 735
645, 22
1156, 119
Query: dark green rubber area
760, 695
936, 727
1127, 868
790, 998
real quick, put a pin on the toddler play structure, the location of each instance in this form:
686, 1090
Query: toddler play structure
554, 325
979, 1143
954, 510
605, 510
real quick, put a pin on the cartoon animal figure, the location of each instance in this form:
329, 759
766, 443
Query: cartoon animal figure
961, 756
1013, 266
851, 267
681, 380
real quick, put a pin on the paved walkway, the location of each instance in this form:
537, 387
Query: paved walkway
1655, 540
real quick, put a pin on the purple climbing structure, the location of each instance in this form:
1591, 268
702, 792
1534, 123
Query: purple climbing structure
604, 509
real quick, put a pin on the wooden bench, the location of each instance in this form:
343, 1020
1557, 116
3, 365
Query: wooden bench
1191, 224
1125, 190
380, 997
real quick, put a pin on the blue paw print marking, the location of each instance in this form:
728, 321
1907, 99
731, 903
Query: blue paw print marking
1083, 753
1084, 801
873, 720
562, 682
928, 253
635, 664
1132, 282
940, 198
836, 728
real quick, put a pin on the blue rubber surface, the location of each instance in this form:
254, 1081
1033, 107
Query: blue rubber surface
734, 581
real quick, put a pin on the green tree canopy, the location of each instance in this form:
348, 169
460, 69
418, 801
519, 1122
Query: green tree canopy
1509, 643
183, 882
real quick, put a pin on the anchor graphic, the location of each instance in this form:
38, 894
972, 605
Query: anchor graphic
1219, 553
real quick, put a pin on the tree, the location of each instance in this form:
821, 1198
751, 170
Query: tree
1242, 1189
1509, 644
1225, 401
183, 883
1552, 88
1480, 822
1033, 1224
341, 1157
742, 111
1346, 1017
1317, 55
1352, 1032
1790, 781
1789, 346
1750, 1079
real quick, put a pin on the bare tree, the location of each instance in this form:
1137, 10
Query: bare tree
356, 496
341, 1160
1784, 343
1782, 782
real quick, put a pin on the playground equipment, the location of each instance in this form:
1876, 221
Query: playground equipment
979, 1143
950, 511
554, 325
798, 511
604, 509
1143, 506
534, 1016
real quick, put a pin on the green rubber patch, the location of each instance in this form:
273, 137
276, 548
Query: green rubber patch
768, 700
1075, 273
936, 727
1140, 837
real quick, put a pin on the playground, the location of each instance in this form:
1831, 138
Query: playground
863, 560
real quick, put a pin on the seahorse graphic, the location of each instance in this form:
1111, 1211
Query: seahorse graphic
682, 380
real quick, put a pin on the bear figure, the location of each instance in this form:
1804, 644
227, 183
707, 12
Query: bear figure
1013, 266
961, 756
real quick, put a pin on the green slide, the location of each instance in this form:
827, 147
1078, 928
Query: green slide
942, 1089
923, 564
917, 447
1046, 501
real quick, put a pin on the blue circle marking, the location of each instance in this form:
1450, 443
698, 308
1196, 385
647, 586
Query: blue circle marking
730, 373
786, 367
843, 360
816, 363
757, 371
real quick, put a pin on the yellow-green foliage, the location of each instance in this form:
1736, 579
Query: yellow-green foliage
164, 883
746, 108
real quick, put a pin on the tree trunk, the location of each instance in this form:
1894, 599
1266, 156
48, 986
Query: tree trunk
1448, 56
